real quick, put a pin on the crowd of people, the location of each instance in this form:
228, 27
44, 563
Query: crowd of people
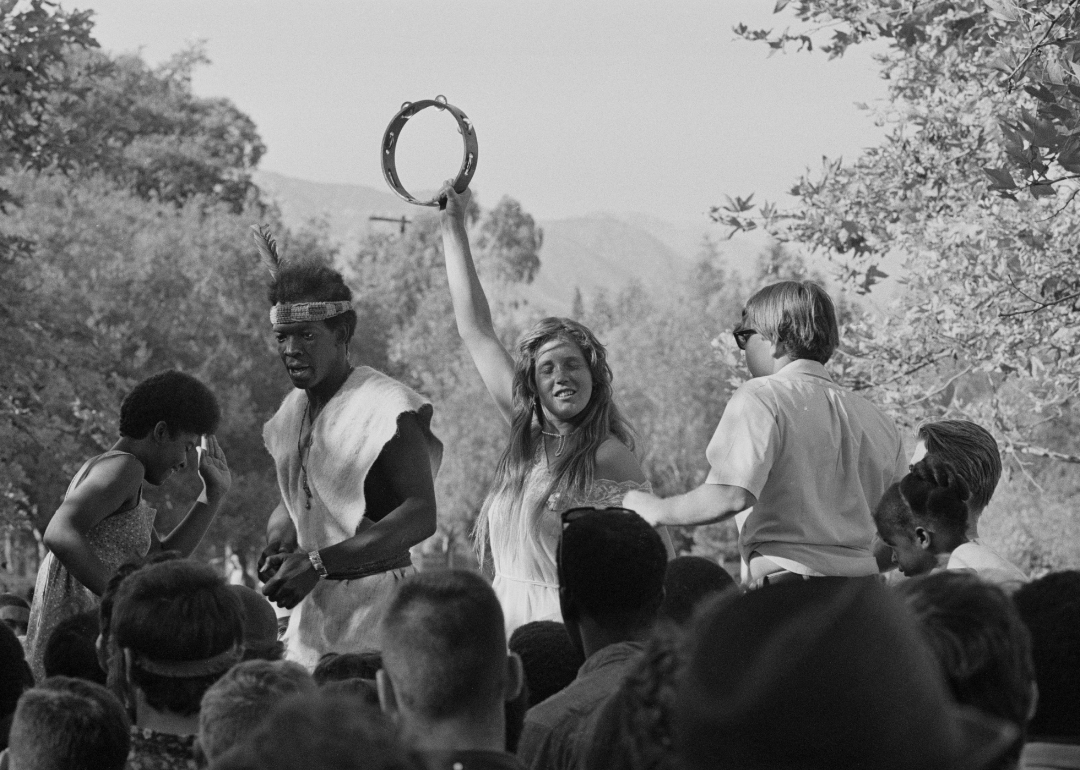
870, 626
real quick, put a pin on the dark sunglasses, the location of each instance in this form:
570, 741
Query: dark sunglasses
570, 515
742, 336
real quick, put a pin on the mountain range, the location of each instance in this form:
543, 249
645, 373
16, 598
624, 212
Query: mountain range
587, 252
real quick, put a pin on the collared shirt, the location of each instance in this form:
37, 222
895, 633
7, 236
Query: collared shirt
986, 563
471, 760
552, 730
151, 750
1038, 755
818, 458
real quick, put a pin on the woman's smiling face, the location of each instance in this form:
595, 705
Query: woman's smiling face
563, 380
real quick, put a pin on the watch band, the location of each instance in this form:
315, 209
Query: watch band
393, 132
316, 562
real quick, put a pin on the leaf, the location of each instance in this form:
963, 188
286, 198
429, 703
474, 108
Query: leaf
1042, 190
1002, 10
780, 5
1002, 178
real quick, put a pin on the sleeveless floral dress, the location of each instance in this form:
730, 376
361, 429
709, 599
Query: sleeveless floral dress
523, 552
118, 538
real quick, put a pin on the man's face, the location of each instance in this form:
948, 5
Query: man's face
310, 351
170, 456
909, 556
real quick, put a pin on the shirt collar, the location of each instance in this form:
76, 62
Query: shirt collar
613, 653
806, 367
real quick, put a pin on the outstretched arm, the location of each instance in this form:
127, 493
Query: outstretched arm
406, 468
216, 477
707, 504
471, 310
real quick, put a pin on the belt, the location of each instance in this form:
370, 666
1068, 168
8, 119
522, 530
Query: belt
373, 568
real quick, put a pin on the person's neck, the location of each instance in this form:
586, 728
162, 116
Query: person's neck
166, 722
553, 426
320, 394
138, 447
485, 732
596, 636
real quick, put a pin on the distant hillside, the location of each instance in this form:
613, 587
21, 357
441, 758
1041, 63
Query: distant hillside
587, 252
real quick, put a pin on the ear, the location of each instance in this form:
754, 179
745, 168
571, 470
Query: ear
924, 538
160, 432
515, 676
387, 696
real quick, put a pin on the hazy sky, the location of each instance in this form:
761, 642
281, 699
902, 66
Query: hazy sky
579, 106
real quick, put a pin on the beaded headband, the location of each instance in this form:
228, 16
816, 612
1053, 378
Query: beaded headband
190, 669
299, 312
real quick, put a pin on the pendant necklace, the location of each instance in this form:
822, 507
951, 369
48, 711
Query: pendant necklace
301, 447
560, 436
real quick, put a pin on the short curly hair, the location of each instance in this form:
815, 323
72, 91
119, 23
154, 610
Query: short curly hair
179, 400
308, 280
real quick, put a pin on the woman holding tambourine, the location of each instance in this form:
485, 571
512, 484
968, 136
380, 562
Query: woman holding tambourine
569, 444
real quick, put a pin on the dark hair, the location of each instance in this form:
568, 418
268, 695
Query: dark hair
364, 689
971, 450
69, 724
635, 728
1050, 608
175, 611
612, 567
444, 644
72, 649
689, 580
237, 703
336, 666
931, 493
550, 659
797, 315
307, 280
576, 469
177, 399
260, 625
979, 640
327, 731
15, 675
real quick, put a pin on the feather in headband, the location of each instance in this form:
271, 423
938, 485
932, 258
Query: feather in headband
267, 249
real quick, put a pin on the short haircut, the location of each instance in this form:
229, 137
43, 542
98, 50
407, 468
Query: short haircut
797, 315
72, 649
549, 658
236, 704
612, 566
260, 625
689, 580
931, 494
979, 640
444, 644
338, 666
327, 731
69, 724
177, 399
15, 675
175, 612
1050, 608
308, 280
971, 450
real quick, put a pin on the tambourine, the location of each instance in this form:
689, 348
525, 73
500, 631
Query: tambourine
393, 133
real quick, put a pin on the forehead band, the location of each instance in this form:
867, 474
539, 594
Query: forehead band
299, 312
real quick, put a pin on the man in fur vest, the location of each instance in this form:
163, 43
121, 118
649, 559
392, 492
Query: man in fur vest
356, 462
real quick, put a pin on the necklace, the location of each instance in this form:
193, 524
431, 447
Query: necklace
561, 437
301, 447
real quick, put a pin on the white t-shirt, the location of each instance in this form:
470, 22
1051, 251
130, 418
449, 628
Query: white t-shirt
986, 562
818, 458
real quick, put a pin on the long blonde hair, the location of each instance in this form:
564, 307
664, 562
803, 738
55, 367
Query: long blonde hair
598, 421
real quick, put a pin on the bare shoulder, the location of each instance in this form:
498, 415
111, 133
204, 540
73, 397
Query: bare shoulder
615, 462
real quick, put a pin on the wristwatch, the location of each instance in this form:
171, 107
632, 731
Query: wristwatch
316, 562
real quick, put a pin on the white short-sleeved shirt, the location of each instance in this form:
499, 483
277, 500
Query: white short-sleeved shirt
818, 458
986, 562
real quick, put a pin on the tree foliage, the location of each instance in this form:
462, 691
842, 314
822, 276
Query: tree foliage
968, 200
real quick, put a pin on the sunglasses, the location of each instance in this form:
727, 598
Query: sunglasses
742, 336
570, 515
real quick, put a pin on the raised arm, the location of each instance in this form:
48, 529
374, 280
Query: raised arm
471, 310
214, 471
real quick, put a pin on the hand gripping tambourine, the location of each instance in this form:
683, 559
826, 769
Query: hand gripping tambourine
393, 133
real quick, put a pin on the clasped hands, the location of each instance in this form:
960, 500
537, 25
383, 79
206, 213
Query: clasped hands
288, 574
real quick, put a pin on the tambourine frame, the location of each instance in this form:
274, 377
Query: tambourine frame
393, 132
